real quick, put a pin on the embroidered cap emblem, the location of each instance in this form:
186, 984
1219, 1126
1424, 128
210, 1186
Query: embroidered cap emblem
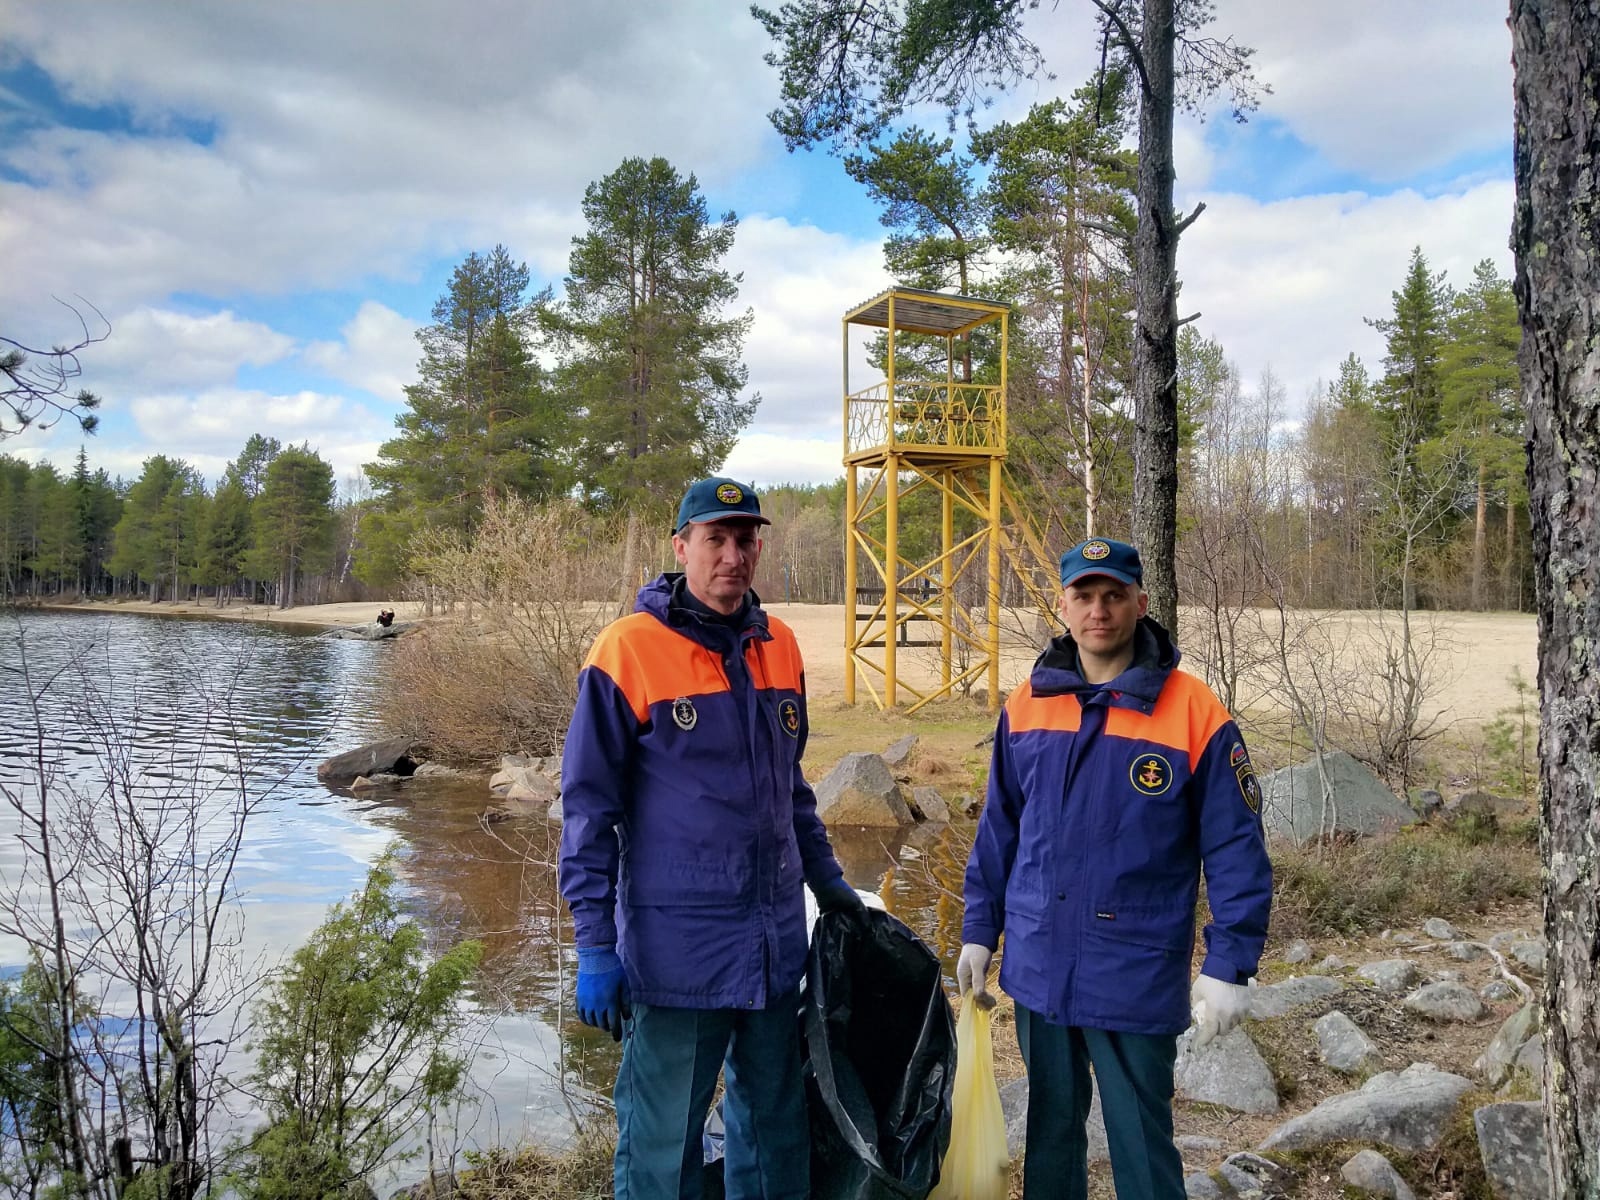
1095, 551
729, 493
789, 717
684, 715
1151, 774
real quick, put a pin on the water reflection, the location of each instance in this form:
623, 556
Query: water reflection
223, 705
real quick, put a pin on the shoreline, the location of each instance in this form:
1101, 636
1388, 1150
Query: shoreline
323, 616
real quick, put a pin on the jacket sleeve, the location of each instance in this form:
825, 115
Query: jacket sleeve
596, 767
817, 861
994, 848
1233, 852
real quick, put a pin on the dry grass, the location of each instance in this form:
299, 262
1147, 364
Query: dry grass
1414, 873
501, 676
582, 1171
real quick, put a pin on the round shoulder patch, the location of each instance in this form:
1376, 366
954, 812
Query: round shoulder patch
789, 717
1095, 551
729, 493
1150, 774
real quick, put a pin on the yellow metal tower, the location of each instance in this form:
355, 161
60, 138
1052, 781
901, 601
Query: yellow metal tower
915, 432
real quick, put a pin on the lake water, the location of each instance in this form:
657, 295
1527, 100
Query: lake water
195, 699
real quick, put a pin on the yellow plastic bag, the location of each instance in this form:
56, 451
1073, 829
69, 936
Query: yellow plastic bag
976, 1166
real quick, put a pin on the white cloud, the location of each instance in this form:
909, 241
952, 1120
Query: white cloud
1385, 88
1288, 284
800, 281
378, 354
767, 459
158, 348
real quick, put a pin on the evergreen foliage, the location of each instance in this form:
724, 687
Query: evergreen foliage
353, 1046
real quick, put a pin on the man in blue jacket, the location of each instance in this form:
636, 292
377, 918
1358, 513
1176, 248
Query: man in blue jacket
688, 830
1116, 779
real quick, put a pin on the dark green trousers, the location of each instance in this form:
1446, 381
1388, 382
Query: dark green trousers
1134, 1072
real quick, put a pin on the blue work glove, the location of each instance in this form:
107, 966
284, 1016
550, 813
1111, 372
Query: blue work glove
602, 989
838, 896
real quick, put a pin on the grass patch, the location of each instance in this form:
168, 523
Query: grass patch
1375, 883
582, 1171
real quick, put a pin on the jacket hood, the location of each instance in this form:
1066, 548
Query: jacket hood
1155, 655
666, 598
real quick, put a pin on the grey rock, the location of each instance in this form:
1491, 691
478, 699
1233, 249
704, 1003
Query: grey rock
1505, 939
1405, 1110
1466, 951
1278, 999
1229, 1072
1295, 806
1299, 951
1426, 801
862, 790
1201, 1186
1495, 1063
1511, 1142
438, 1186
1529, 953
1251, 1175
369, 631
525, 771
1391, 974
1195, 1143
1498, 991
1372, 1173
1014, 1104
429, 770
930, 804
376, 782
1342, 1045
1440, 930
529, 797
1332, 963
1446, 1001
392, 756
1530, 1059
1479, 803
900, 752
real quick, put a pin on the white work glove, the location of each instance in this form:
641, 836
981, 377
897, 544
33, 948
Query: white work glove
1217, 1008
972, 973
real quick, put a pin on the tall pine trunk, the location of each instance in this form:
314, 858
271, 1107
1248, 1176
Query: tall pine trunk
1155, 344
1480, 538
1556, 235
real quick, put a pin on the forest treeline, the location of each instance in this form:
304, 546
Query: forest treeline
1396, 482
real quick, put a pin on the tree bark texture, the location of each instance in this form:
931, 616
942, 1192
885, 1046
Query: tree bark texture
1155, 345
1556, 235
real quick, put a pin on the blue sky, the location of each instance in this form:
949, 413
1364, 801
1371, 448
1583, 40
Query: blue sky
265, 199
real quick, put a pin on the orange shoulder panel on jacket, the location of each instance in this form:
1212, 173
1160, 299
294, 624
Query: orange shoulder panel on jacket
776, 663
1061, 714
1186, 716
650, 663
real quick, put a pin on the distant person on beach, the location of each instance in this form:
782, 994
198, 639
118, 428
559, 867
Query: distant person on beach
687, 831
386, 617
1116, 780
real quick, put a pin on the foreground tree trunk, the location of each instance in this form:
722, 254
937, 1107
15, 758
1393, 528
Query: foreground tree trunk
1556, 235
1155, 343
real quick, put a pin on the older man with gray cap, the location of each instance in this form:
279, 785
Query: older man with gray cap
1116, 780
687, 832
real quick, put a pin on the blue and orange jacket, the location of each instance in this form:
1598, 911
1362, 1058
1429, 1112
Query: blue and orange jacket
688, 825
1104, 801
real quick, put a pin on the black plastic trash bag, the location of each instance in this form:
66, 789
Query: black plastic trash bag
880, 1057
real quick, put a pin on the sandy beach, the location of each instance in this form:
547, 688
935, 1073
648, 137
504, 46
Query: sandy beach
1475, 657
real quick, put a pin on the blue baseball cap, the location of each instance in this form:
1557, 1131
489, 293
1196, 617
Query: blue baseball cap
1102, 556
718, 499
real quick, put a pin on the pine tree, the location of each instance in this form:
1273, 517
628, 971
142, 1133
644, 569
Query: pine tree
651, 363
1408, 396
293, 519
154, 540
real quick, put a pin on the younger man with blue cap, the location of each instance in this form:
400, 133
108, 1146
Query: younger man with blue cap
1116, 780
687, 832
